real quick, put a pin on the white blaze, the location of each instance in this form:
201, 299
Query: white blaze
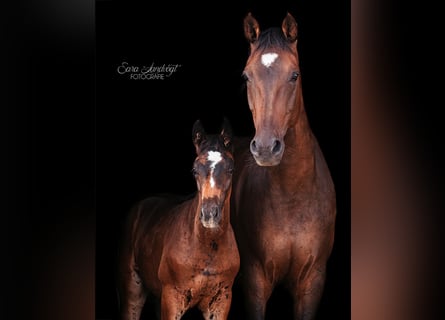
214, 157
268, 58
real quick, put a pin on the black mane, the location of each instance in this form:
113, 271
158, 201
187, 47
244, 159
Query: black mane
272, 37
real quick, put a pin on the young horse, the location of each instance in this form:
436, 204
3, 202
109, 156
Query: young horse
184, 252
283, 205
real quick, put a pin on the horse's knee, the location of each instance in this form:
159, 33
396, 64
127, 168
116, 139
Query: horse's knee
308, 294
317, 277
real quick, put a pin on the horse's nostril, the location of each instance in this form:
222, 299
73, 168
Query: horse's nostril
214, 212
209, 213
253, 146
276, 148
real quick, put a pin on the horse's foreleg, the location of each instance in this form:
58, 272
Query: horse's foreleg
218, 306
308, 294
174, 302
257, 291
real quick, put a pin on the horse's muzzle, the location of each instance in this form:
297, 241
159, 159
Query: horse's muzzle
210, 215
267, 152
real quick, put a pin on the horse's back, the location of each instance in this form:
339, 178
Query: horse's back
153, 216
148, 223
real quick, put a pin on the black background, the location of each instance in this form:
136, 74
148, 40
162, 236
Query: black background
51, 135
143, 127
81, 143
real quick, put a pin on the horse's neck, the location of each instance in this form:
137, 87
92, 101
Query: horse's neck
298, 162
300, 137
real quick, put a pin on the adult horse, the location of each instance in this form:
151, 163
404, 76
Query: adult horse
283, 206
184, 253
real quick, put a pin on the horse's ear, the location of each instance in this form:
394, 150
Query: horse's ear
251, 28
198, 134
290, 28
226, 133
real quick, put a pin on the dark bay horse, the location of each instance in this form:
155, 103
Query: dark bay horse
283, 202
184, 253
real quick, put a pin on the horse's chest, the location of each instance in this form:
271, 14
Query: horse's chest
197, 267
274, 226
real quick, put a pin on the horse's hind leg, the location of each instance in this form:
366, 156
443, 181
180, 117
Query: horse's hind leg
308, 294
132, 295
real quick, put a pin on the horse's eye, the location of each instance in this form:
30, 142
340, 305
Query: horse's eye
230, 170
194, 172
294, 76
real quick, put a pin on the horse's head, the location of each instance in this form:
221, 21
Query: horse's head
213, 169
273, 86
